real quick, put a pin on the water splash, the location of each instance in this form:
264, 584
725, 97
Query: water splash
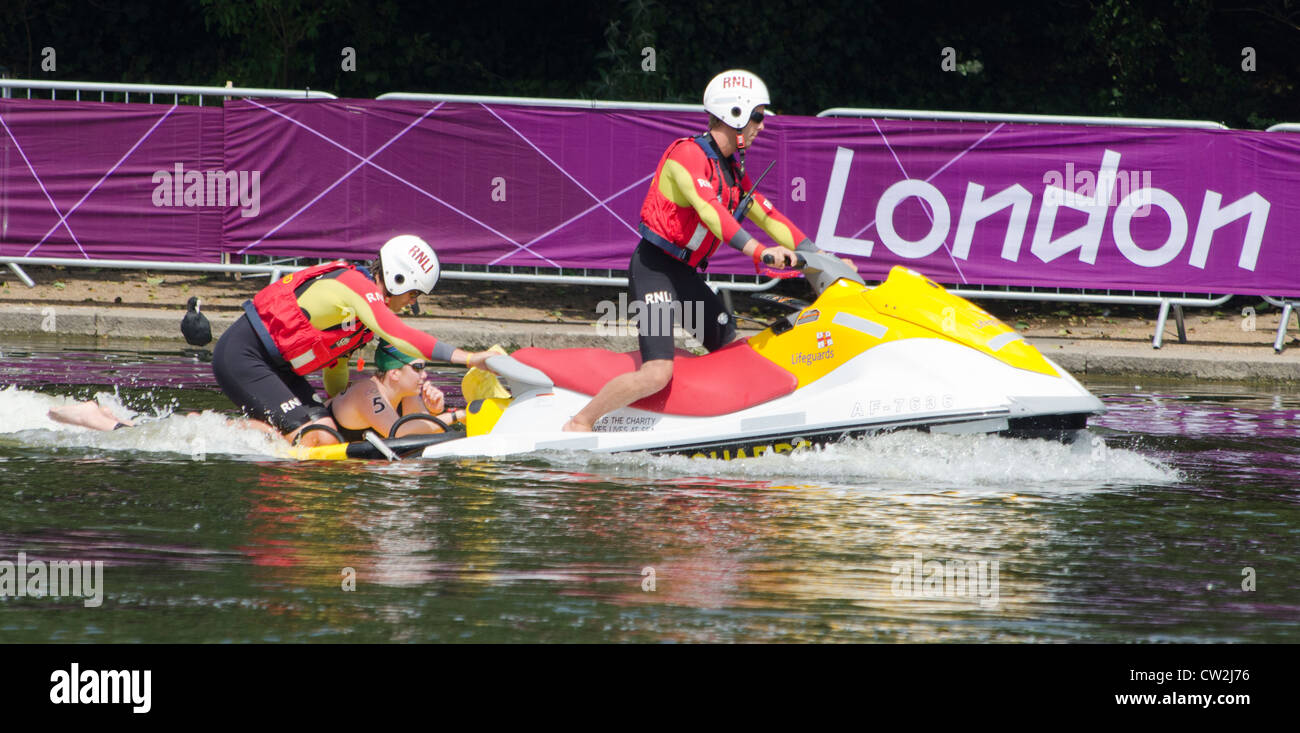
24, 419
904, 459
895, 461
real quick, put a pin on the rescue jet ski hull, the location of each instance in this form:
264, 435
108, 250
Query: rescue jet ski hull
903, 355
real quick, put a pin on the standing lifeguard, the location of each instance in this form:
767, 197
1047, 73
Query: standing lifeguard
688, 212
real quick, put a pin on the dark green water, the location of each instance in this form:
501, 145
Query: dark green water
1140, 534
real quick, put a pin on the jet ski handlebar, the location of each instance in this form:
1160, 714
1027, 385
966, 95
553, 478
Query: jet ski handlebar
799, 261
820, 268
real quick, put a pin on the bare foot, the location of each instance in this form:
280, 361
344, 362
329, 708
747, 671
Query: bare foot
573, 426
87, 414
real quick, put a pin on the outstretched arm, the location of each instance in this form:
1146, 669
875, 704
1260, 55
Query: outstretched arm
371, 311
429, 401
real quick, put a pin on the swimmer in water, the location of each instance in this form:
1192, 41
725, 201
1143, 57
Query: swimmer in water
397, 388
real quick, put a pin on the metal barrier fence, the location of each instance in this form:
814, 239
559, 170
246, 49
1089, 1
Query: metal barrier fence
1288, 306
541, 102
924, 114
273, 269
77, 87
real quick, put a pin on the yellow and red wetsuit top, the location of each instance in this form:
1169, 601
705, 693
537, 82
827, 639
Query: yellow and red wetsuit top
689, 209
316, 317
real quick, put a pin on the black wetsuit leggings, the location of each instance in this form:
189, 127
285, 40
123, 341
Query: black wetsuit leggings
673, 291
266, 388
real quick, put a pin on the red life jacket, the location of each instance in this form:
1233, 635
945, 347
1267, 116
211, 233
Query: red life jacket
305, 347
678, 230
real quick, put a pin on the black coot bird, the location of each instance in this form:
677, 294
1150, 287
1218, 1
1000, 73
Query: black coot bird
195, 326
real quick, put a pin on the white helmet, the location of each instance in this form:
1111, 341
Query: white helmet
409, 263
733, 95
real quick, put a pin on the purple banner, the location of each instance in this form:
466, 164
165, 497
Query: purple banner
485, 185
1049, 205
968, 203
996, 204
108, 181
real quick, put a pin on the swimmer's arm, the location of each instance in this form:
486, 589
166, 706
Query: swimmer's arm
430, 401
436, 406
412, 405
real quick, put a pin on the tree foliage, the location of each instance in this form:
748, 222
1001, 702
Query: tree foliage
1136, 58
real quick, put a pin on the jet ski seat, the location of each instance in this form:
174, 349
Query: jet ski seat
728, 380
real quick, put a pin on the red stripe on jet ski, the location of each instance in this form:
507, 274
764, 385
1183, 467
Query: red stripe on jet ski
728, 380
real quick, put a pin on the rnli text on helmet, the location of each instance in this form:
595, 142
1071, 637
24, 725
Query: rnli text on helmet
737, 81
417, 254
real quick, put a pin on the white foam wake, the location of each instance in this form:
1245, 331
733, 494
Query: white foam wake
24, 419
908, 459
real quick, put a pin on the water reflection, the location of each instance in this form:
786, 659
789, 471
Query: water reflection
1140, 532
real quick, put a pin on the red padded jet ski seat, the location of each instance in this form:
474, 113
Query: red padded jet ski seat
728, 380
